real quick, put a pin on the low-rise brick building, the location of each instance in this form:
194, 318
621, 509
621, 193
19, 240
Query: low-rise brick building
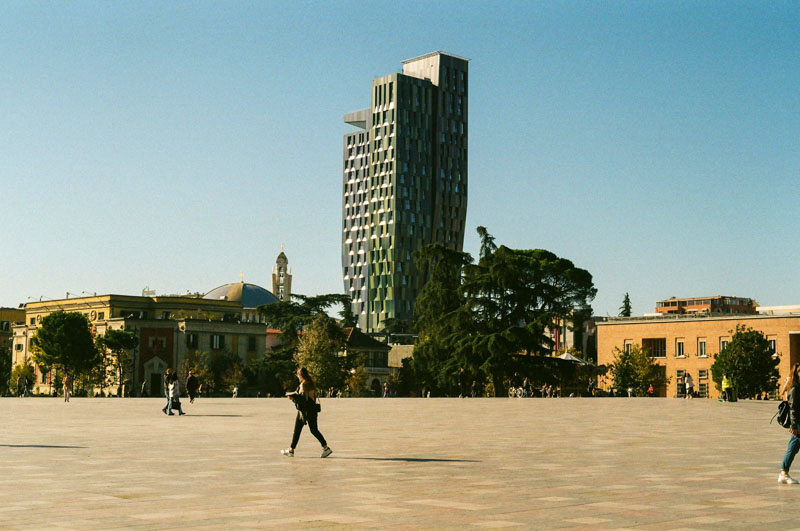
688, 342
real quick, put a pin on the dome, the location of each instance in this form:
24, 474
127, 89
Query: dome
250, 295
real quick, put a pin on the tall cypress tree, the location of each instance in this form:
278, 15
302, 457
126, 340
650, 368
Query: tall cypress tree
625, 310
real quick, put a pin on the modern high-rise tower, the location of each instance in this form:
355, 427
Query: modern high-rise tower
405, 183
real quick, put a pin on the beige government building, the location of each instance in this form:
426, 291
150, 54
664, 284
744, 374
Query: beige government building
687, 342
168, 328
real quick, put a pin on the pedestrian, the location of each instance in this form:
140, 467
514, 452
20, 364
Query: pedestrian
305, 400
462, 383
727, 388
590, 388
192, 385
474, 389
67, 383
688, 385
20, 386
175, 394
525, 387
650, 391
794, 415
167, 379
630, 392
385, 389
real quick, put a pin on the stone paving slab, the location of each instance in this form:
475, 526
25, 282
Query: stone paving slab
605, 463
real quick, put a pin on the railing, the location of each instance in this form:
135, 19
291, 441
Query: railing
676, 317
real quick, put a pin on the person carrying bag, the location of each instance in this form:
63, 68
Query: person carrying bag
793, 399
305, 400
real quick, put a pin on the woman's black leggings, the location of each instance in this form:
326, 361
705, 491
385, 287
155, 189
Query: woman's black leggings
312, 425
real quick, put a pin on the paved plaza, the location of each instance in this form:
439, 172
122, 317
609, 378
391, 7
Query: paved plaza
397, 464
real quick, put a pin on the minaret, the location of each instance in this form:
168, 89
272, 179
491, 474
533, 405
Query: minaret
282, 278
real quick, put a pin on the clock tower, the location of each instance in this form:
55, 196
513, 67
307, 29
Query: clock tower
282, 278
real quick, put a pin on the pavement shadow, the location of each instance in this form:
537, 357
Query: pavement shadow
37, 446
411, 459
194, 415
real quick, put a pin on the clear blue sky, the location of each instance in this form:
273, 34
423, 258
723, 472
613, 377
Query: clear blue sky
175, 144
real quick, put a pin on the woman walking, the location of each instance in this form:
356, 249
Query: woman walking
307, 409
167, 380
175, 394
67, 387
792, 397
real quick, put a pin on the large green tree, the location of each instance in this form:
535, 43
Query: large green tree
513, 298
633, 368
196, 361
486, 317
749, 361
437, 318
119, 343
318, 351
291, 317
225, 371
64, 341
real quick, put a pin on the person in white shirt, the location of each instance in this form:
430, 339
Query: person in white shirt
689, 386
175, 394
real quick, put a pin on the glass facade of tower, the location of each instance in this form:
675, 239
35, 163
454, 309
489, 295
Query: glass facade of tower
405, 183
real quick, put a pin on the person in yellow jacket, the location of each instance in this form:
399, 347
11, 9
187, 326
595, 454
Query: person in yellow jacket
726, 388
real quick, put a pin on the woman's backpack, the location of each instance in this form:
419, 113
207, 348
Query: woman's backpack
784, 418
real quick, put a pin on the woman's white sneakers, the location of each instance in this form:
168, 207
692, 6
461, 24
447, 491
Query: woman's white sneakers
290, 453
785, 478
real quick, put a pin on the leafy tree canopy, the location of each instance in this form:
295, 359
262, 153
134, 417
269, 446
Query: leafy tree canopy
319, 350
749, 361
484, 316
64, 340
357, 381
635, 369
119, 343
291, 317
